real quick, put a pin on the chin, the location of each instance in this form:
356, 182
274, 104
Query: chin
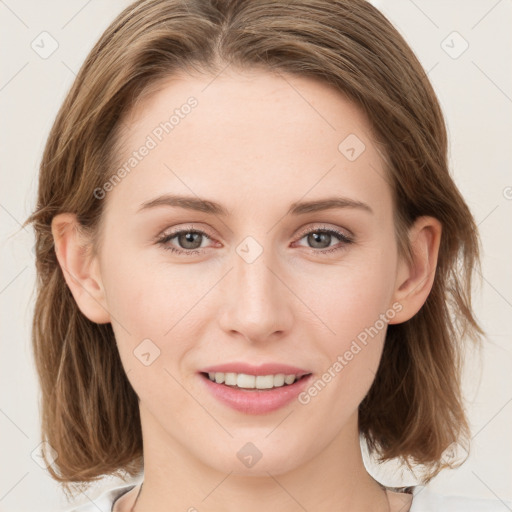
256, 458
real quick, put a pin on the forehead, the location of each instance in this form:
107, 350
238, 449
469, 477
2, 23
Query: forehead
246, 103
245, 134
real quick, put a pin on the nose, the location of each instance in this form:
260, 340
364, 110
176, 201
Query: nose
257, 304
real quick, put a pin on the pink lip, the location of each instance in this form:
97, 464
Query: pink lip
263, 369
256, 401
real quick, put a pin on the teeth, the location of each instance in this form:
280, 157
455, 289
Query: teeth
243, 380
230, 379
289, 379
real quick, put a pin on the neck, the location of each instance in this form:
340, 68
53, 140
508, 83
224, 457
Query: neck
334, 479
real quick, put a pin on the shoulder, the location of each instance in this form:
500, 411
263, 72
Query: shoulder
104, 502
426, 500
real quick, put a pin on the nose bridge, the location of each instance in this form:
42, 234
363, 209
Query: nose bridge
257, 304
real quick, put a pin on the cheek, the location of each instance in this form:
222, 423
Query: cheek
149, 317
351, 296
356, 307
155, 309
148, 298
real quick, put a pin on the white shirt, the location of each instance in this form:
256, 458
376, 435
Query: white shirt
424, 500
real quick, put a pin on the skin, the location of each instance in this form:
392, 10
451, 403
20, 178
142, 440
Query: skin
255, 145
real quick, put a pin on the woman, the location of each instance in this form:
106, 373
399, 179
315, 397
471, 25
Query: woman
193, 322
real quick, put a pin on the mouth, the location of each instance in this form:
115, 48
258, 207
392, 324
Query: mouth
254, 394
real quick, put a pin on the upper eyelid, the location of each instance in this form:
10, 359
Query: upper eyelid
172, 233
324, 227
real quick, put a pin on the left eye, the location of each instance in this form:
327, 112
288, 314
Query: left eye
320, 236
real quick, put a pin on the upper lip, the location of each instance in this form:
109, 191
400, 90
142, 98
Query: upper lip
263, 369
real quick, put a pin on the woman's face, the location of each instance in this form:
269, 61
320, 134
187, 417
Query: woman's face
253, 278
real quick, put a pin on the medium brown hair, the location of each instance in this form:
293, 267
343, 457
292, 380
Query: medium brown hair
414, 410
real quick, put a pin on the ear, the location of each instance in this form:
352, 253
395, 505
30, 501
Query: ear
80, 268
415, 278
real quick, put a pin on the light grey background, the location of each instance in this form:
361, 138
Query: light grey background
475, 90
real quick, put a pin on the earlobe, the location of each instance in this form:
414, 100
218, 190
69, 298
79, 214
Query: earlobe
80, 269
416, 277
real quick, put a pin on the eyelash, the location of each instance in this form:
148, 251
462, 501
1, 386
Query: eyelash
190, 252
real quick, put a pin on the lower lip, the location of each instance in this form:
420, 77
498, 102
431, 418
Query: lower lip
256, 401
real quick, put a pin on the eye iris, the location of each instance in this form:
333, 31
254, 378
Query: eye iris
188, 237
318, 237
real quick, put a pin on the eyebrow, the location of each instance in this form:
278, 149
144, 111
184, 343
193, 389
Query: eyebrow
296, 208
